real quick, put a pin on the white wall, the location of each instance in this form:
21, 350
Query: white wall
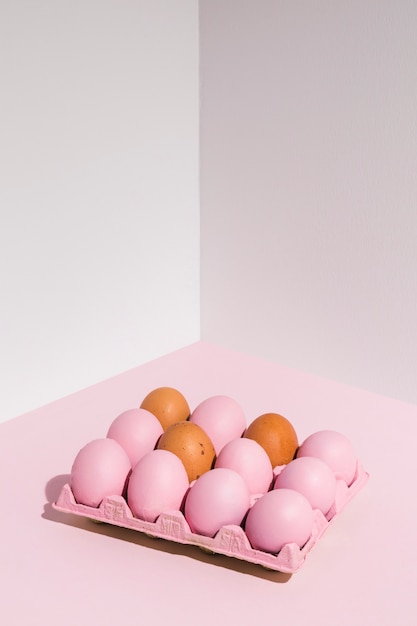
309, 185
99, 235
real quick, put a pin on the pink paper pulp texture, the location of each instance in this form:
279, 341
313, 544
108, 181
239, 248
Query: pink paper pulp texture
229, 540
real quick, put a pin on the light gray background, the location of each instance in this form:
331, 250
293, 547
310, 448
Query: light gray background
308, 188
309, 185
99, 209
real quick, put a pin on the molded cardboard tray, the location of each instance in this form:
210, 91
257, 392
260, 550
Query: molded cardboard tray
230, 540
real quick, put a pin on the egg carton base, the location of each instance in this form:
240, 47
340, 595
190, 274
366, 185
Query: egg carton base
229, 541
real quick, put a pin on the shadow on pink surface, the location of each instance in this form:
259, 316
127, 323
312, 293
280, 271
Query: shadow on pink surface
53, 489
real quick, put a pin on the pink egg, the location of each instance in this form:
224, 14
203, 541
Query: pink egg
279, 517
334, 449
313, 478
158, 484
218, 498
249, 459
100, 469
137, 431
222, 418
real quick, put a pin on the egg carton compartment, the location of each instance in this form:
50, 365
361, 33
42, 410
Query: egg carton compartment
229, 540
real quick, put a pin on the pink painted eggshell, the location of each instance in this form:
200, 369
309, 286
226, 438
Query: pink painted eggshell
279, 517
334, 449
313, 478
137, 431
158, 484
222, 418
100, 469
218, 498
250, 460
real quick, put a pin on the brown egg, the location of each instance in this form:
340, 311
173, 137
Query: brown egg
192, 445
168, 405
276, 435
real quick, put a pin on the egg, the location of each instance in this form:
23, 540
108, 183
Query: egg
276, 435
249, 459
167, 404
192, 445
334, 449
279, 517
137, 431
158, 484
218, 498
101, 468
313, 478
222, 418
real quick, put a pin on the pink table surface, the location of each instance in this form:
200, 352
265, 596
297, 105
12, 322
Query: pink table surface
58, 569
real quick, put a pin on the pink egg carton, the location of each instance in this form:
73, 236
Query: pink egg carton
229, 541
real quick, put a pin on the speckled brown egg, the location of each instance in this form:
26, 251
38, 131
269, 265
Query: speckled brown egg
276, 435
192, 445
167, 404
